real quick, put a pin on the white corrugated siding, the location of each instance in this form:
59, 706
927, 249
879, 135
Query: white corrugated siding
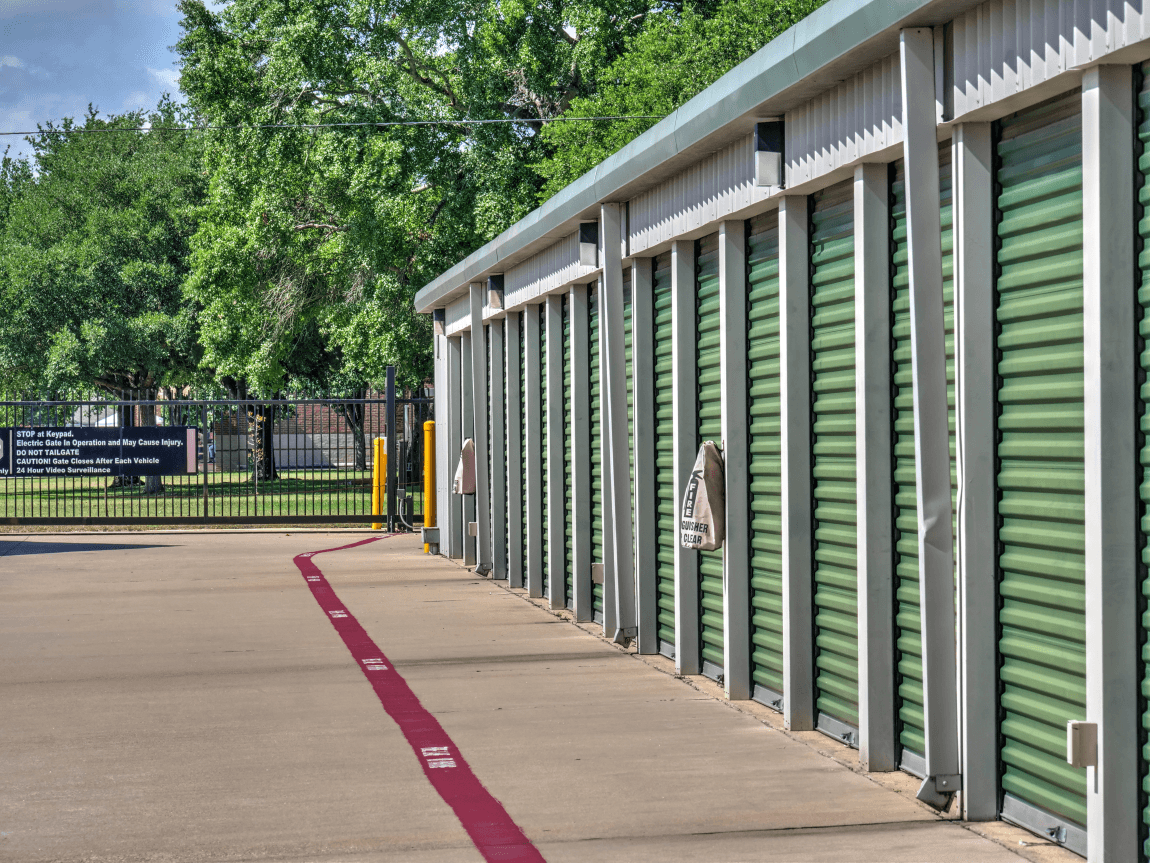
853, 119
1006, 46
714, 187
553, 268
457, 316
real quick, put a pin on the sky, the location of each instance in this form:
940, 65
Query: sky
57, 56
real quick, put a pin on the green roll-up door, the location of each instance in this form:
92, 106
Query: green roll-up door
765, 461
664, 455
568, 441
1041, 511
596, 454
523, 446
627, 340
710, 427
1144, 396
542, 432
908, 631
833, 462
502, 370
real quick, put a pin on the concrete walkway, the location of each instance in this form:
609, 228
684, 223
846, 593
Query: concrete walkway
182, 697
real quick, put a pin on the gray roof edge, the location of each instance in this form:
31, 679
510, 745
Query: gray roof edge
827, 35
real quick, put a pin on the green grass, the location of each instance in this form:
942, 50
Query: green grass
301, 494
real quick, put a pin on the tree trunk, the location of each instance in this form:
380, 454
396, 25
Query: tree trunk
127, 421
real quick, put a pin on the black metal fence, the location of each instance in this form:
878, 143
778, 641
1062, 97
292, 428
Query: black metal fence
285, 460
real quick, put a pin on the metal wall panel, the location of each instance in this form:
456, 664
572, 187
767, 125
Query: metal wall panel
596, 453
457, 316
765, 467
1006, 46
1040, 470
710, 427
714, 187
908, 625
833, 470
852, 119
545, 272
664, 455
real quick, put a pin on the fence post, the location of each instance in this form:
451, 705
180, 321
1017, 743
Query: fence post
391, 448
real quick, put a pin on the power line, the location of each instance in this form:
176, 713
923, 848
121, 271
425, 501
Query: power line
286, 126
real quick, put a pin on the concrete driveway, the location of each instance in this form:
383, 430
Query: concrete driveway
185, 697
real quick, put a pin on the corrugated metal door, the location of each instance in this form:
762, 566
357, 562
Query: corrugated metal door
568, 440
765, 465
833, 463
596, 454
908, 632
541, 310
664, 455
523, 446
1144, 396
1041, 509
627, 340
710, 427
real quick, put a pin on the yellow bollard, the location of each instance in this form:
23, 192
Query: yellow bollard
428, 478
378, 478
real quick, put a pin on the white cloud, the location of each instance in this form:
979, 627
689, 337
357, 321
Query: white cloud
137, 99
9, 60
167, 78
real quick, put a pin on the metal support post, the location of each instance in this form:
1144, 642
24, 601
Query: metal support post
874, 468
452, 541
795, 443
516, 565
931, 425
498, 519
646, 507
578, 307
536, 506
479, 434
391, 486
467, 417
1113, 672
975, 418
616, 455
556, 527
736, 458
685, 390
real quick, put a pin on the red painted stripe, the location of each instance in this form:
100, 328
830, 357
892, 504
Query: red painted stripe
495, 835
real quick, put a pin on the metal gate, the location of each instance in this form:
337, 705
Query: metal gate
833, 437
282, 460
709, 427
765, 465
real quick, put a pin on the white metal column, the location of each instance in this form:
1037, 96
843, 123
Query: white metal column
513, 481
495, 383
533, 416
795, 441
686, 398
556, 594
931, 431
449, 429
1113, 816
976, 444
479, 433
646, 507
615, 441
580, 348
736, 459
874, 467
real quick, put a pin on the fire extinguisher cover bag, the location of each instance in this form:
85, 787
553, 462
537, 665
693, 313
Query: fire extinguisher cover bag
465, 471
703, 524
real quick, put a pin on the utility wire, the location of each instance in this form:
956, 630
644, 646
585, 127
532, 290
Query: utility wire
59, 130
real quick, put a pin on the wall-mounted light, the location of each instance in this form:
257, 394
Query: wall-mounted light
589, 244
439, 321
495, 291
769, 153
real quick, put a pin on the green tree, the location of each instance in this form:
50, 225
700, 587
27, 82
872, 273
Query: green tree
94, 244
332, 232
675, 56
